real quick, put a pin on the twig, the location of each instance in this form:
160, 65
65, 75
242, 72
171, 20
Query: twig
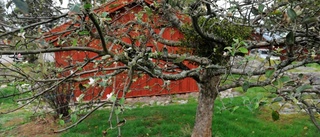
313, 119
80, 120
96, 24
34, 24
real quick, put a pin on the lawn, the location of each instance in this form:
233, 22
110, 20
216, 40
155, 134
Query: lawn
12, 120
178, 120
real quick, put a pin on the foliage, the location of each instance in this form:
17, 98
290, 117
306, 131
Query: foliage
197, 45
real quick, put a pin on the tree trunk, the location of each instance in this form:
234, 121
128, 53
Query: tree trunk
208, 86
63, 108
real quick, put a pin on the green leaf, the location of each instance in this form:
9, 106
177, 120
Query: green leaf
103, 84
231, 50
260, 8
61, 122
75, 8
262, 103
108, 19
74, 42
309, 20
105, 57
277, 83
121, 101
300, 76
245, 86
117, 111
228, 48
277, 99
148, 10
113, 98
104, 14
87, 6
84, 32
276, 12
281, 81
22, 5
275, 115
292, 14
256, 105
290, 38
284, 79
79, 68
243, 50
303, 87
243, 43
254, 11
74, 117
180, 59
269, 72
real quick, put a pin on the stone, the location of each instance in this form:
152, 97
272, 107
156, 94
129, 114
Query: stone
182, 101
3, 86
151, 102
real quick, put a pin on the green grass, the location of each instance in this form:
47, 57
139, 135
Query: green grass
178, 121
4, 92
314, 65
11, 120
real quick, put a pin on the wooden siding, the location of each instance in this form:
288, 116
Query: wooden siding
144, 85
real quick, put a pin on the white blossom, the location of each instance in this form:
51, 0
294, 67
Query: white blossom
25, 86
22, 35
80, 97
109, 95
3, 86
91, 81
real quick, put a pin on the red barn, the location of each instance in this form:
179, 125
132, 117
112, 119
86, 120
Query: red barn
121, 12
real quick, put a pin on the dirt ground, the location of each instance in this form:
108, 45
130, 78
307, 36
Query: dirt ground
39, 127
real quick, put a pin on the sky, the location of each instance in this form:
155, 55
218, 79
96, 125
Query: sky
64, 3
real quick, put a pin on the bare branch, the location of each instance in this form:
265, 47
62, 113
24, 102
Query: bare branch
34, 24
50, 50
82, 118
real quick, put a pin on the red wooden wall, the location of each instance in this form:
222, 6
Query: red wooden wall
143, 86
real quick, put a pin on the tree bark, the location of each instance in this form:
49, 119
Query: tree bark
208, 86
